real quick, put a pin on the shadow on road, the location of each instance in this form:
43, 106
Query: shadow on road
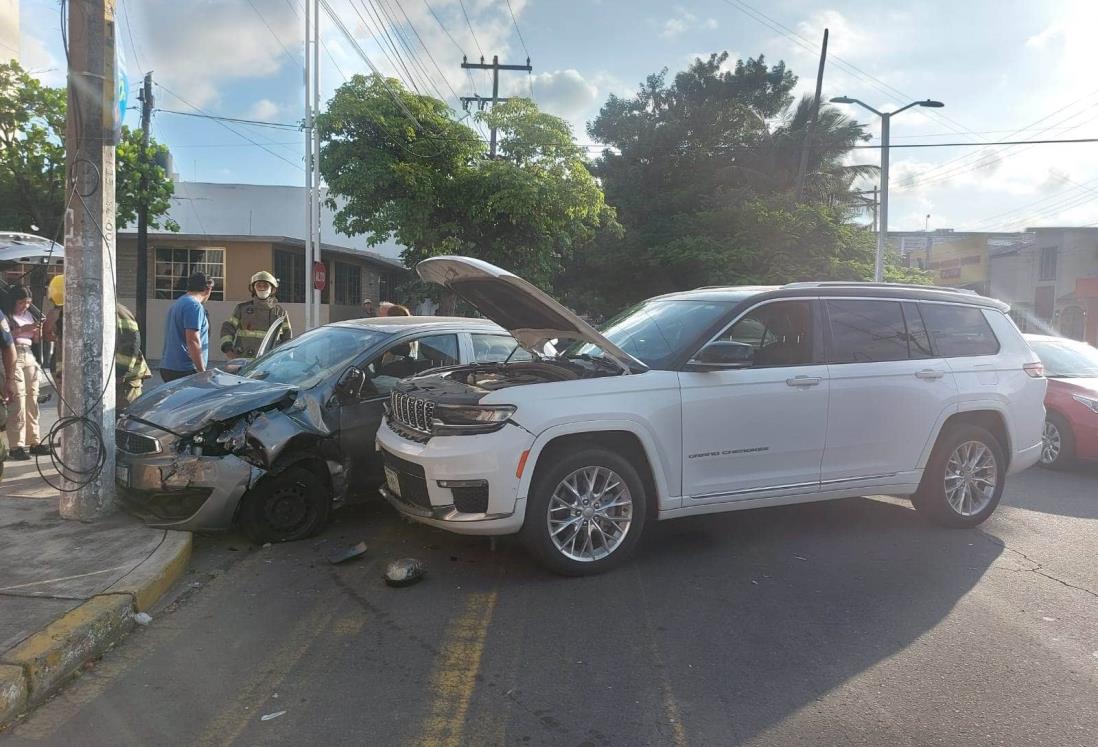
1069, 492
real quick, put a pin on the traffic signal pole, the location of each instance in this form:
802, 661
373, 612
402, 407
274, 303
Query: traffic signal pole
87, 447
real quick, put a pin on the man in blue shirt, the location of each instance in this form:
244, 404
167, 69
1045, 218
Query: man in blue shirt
187, 331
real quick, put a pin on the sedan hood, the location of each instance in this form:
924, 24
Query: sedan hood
184, 406
530, 315
1088, 386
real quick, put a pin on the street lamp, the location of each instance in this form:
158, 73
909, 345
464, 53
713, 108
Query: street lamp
886, 117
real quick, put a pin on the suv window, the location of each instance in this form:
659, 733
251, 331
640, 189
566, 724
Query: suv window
863, 331
497, 348
918, 339
780, 332
958, 331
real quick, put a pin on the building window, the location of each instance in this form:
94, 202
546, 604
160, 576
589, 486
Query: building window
290, 271
384, 287
1048, 264
174, 266
348, 284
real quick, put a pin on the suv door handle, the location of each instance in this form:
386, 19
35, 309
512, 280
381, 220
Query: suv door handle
930, 374
804, 381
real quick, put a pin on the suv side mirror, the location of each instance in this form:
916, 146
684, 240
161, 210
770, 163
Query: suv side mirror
352, 384
724, 354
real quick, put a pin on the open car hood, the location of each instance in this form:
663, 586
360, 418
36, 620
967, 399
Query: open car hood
529, 314
187, 405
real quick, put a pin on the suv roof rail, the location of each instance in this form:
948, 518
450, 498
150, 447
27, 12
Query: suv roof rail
867, 284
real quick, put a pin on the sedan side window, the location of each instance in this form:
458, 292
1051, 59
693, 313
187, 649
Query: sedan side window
780, 333
410, 358
497, 348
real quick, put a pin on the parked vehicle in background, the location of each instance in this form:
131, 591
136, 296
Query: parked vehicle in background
1071, 404
289, 438
717, 399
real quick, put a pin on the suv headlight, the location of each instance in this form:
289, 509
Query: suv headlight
454, 420
1089, 402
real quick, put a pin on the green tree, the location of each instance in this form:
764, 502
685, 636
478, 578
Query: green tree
430, 185
702, 171
32, 161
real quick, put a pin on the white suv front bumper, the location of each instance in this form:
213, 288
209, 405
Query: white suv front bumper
491, 457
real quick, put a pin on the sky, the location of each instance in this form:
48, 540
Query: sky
1005, 69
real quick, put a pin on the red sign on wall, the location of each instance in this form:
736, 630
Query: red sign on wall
320, 275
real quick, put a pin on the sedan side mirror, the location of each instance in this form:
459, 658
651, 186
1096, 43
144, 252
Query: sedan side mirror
352, 384
724, 354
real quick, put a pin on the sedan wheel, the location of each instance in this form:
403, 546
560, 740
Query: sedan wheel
1051, 444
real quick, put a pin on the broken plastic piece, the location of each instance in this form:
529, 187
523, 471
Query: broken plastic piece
142, 618
350, 553
404, 572
269, 716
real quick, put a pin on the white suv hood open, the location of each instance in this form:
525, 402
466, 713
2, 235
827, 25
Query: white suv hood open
530, 315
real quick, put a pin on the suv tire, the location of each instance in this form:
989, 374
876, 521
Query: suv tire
598, 494
292, 505
1057, 443
963, 480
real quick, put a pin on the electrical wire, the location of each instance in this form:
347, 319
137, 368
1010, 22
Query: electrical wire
294, 59
470, 25
237, 120
392, 18
454, 41
395, 59
129, 33
430, 56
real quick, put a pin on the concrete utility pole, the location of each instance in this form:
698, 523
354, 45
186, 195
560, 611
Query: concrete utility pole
802, 172
89, 260
142, 294
482, 102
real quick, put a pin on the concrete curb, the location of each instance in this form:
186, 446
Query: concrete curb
32, 670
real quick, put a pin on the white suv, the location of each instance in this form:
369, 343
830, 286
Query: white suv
716, 399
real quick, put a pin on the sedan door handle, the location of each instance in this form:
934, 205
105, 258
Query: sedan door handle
930, 374
804, 381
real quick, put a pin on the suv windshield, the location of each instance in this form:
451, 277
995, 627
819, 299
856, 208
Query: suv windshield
307, 360
657, 332
1067, 360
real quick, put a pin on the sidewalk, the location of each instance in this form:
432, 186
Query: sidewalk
68, 590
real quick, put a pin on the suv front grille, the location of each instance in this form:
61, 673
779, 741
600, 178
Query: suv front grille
411, 412
134, 443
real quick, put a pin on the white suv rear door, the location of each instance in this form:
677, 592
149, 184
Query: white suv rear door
758, 431
888, 390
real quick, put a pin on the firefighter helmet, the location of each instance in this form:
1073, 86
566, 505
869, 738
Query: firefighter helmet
265, 277
56, 290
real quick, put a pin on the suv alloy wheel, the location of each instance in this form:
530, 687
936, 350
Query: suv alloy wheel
586, 512
964, 478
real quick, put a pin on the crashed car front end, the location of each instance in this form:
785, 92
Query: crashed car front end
195, 481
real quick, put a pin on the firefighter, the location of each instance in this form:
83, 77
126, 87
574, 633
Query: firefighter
242, 332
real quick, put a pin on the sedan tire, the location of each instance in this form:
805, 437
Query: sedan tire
291, 505
1057, 443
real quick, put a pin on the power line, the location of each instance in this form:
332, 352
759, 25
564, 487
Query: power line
391, 17
219, 121
982, 145
327, 51
236, 120
430, 56
470, 24
293, 58
454, 41
129, 33
398, 63
517, 30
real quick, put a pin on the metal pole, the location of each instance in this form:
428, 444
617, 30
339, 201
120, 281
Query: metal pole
317, 306
88, 386
308, 259
142, 293
882, 232
495, 95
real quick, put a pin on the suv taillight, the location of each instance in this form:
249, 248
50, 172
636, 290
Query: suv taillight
1035, 370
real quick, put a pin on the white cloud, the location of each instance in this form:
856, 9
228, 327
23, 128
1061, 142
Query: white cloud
710, 23
264, 109
684, 21
565, 93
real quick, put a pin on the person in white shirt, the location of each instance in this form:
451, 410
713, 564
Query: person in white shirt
22, 425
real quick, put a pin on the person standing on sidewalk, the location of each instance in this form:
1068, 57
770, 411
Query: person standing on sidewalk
187, 331
7, 348
23, 416
243, 332
130, 367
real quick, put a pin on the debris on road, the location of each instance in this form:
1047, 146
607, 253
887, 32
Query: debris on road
404, 572
142, 618
350, 553
269, 716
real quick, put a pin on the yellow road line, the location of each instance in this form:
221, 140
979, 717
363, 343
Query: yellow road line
670, 705
455, 675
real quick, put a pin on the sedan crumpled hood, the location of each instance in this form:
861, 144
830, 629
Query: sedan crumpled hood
184, 406
530, 315
1088, 386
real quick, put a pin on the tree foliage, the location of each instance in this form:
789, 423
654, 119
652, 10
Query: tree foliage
32, 161
703, 170
429, 184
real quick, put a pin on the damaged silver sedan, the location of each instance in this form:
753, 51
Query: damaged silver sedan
278, 445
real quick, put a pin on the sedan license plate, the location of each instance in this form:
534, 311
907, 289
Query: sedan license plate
392, 481
122, 475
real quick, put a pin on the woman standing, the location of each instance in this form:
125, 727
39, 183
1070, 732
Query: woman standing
23, 415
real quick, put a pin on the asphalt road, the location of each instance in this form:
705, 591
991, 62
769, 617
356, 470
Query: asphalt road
851, 622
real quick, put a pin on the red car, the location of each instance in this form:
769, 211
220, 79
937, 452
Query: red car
1071, 422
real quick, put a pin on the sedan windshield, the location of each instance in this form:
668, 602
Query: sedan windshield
659, 331
307, 360
1067, 359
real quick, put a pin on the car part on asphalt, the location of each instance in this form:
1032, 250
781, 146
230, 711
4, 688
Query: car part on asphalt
348, 553
404, 572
